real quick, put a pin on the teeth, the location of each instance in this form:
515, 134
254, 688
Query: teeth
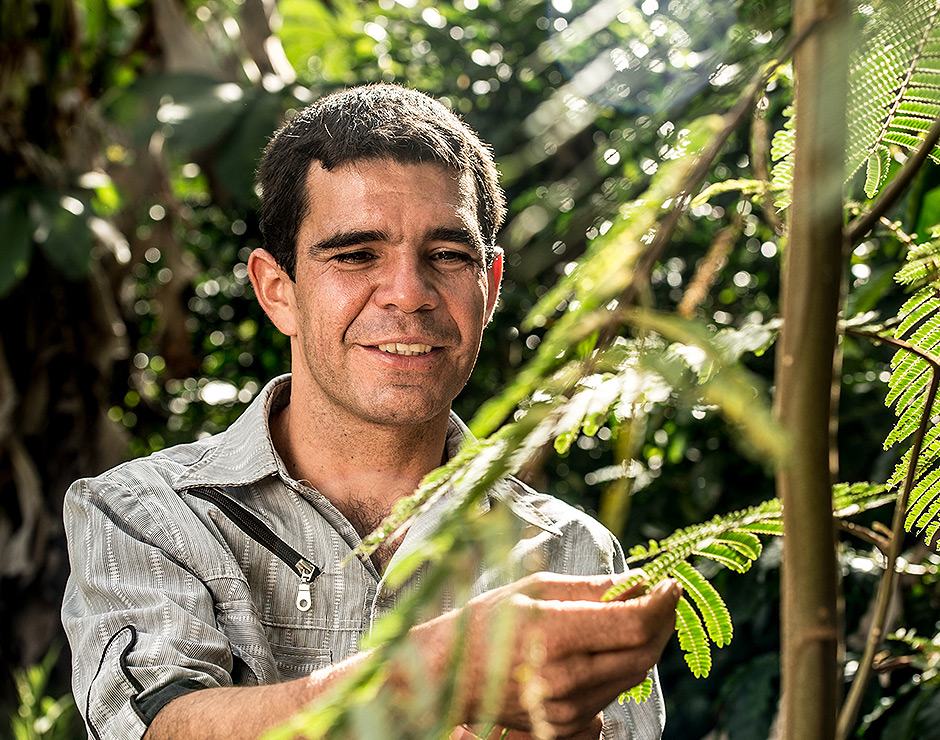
394, 348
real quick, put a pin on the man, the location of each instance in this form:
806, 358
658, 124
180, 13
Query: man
210, 595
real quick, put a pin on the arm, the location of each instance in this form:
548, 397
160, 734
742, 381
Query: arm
241, 712
588, 652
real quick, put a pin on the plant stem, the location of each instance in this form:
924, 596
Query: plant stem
811, 290
886, 586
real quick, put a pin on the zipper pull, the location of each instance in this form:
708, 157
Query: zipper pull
307, 572
303, 597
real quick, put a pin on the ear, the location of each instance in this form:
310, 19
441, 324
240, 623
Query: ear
494, 278
274, 290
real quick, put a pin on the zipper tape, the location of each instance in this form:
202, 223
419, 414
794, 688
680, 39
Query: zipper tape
249, 522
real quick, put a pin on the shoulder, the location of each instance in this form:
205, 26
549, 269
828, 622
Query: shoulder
154, 474
580, 544
140, 498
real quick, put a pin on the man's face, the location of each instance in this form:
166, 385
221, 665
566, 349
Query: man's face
391, 291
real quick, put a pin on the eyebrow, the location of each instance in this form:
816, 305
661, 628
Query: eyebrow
346, 239
457, 236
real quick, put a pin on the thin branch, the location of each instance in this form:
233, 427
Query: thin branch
868, 535
709, 267
859, 228
733, 120
886, 586
892, 664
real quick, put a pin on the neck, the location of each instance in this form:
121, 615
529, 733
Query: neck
363, 469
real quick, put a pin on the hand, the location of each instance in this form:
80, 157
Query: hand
466, 732
569, 654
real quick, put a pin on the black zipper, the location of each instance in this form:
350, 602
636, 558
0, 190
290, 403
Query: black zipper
247, 521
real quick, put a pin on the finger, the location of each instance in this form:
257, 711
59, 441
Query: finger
462, 733
589, 626
561, 587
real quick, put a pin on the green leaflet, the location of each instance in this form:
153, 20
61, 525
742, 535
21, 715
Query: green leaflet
709, 603
745, 542
768, 528
876, 172
692, 639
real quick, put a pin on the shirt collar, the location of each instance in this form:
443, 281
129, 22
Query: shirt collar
237, 459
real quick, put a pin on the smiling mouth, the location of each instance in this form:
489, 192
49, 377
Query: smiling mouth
409, 350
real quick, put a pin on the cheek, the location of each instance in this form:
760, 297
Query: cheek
333, 305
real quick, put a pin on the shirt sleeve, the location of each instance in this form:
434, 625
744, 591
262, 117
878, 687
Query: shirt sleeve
636, 721
140, 622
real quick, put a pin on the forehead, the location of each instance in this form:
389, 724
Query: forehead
384, 188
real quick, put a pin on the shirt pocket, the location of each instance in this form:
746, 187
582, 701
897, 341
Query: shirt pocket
296, 662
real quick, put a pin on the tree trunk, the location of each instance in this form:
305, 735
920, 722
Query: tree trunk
811, 293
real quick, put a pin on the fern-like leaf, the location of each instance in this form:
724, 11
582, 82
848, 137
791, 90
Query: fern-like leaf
732, 540
909, 384
893, 92
744, 542
639, 693
726, 556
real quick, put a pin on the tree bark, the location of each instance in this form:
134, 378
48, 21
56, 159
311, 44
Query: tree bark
810, 303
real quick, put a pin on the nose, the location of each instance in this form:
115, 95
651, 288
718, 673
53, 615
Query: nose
407, 285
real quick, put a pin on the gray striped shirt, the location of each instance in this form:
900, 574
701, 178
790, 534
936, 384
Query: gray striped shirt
169, 593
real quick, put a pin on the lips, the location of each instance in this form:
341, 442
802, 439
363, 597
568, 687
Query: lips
408, 350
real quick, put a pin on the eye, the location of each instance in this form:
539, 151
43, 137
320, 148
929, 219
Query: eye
453, 257
356, 257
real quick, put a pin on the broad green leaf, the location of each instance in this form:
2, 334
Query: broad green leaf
259, 114
17, 242
63, 232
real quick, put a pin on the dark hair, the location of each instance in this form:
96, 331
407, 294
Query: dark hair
369, 122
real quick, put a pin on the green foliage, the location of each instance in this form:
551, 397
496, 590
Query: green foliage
607, 269
633, 392
731, 541
893, 97
58, 222
909, 386
893, 83
38, 716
